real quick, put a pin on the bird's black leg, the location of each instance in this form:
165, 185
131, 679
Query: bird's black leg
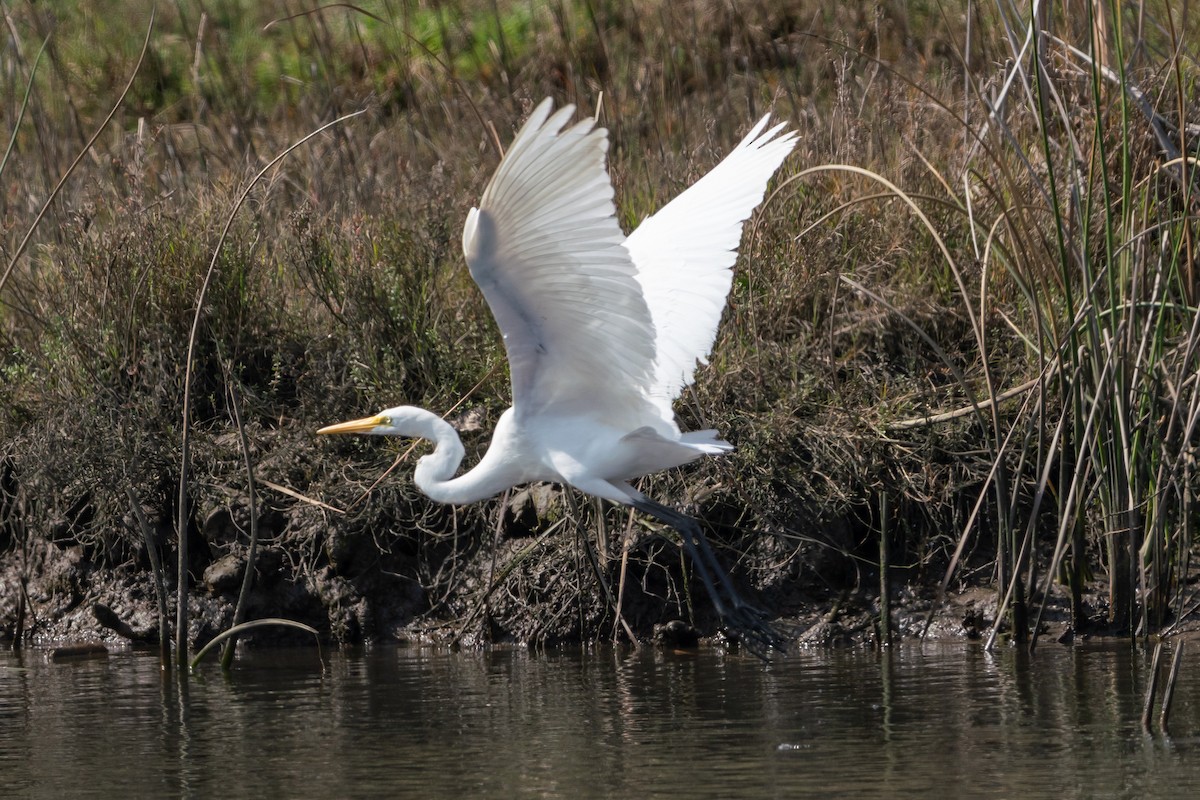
748, 623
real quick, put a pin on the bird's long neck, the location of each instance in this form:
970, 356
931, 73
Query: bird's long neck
435, 472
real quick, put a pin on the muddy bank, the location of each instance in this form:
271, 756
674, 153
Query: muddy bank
548, 573
72, 600
348, 546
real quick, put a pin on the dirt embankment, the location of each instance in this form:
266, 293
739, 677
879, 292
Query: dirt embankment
398, 567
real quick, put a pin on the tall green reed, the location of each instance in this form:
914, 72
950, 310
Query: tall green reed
1090, 219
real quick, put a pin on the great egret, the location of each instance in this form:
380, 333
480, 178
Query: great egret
602, 332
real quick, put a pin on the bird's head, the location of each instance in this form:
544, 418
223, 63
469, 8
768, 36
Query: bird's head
399, 421
382, 424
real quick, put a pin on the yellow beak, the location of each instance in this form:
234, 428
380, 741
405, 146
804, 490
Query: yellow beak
364, 425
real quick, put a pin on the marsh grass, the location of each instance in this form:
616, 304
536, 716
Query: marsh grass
966, 317
1093, 221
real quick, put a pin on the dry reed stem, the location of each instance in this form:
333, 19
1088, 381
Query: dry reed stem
181, 527
239, 611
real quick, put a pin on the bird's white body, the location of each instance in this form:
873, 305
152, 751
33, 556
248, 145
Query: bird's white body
550, 450
602, 331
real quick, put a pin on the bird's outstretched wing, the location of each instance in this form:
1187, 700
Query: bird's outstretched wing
684, 255
545, 248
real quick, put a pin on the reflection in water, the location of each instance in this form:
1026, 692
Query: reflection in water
432, 723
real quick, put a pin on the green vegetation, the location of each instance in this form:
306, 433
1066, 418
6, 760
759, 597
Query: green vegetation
971, 304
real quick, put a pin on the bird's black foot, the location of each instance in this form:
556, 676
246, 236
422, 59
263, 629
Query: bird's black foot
745, 622
753, 629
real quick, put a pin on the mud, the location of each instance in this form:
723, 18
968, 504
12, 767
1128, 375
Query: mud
348, 546
541, 581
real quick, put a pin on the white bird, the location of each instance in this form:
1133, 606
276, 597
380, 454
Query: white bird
602, 331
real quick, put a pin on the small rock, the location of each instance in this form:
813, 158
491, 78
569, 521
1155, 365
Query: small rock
528, 507
224, 576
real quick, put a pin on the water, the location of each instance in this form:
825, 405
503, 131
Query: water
429, 723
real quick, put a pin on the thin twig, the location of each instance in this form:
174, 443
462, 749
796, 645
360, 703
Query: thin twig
160, 587
239, 611
24, 105
964, 411
1169, 690
86, 149
1151, 688
626, 544
301, 497
885, 586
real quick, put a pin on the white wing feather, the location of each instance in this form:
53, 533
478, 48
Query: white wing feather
684, 256
546, 250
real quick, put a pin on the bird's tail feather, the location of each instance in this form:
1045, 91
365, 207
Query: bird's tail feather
656, 452
706, 440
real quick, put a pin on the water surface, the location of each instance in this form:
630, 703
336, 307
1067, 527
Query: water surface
431, 723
